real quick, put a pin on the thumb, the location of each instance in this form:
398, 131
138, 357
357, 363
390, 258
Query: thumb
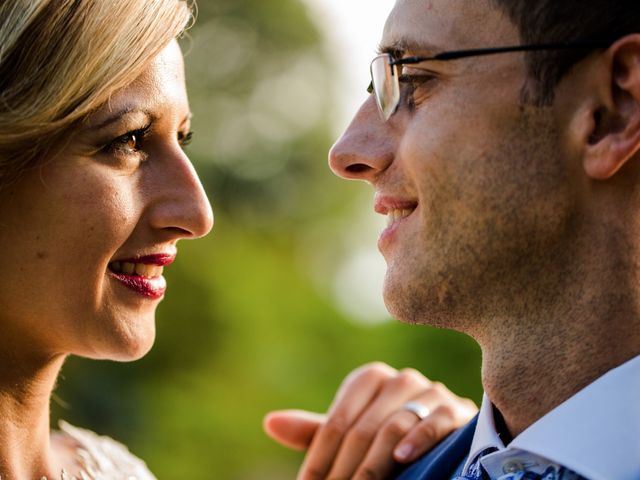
293, 428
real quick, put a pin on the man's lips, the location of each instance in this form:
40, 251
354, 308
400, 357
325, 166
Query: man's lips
394, 208
397, 210
143, 274
384, 204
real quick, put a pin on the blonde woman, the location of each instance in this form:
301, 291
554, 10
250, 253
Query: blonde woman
95, 192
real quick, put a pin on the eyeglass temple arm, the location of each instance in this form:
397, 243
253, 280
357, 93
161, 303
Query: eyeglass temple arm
453, 55
492, 51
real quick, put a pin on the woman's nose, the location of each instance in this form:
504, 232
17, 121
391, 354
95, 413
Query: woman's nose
366, 148
180, 204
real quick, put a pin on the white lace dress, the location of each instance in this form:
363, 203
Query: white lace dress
102, 458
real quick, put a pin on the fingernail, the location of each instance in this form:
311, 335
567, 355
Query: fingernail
403, 452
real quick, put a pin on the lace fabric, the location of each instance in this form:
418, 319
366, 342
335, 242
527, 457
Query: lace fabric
102, 458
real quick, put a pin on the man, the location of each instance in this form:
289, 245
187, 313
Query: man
511, 181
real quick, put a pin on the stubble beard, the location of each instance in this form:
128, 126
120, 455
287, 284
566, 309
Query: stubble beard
493, 242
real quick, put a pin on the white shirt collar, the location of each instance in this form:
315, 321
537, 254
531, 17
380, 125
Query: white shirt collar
595, 433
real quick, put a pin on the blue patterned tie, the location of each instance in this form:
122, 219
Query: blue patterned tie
477, 472
551, 473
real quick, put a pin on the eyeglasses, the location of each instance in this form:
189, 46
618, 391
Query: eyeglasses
385, 78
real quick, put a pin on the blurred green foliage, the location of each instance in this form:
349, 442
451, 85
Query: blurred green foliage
246, 327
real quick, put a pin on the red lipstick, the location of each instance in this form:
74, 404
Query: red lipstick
143, 273
159, 259
152, 288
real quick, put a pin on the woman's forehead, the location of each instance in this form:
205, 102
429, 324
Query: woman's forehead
161, 86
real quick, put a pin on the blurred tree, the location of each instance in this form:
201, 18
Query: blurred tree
246, 327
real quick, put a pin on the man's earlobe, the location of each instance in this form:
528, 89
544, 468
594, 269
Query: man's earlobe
615, 137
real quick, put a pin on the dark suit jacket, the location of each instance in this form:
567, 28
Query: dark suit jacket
441, 462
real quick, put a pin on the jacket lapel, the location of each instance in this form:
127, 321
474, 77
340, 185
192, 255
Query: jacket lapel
440, 463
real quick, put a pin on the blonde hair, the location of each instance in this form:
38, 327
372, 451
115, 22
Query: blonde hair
62, 59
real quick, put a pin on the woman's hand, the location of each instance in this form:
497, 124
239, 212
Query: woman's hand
367, 430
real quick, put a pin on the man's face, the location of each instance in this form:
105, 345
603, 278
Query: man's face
473, 181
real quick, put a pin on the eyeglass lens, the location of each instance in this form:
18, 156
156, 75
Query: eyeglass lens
385, 85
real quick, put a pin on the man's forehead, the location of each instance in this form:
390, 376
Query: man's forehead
428, 26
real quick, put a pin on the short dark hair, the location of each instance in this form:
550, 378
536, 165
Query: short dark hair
550, 21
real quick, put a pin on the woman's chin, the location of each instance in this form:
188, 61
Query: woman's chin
133, 352
123, 353
125, 345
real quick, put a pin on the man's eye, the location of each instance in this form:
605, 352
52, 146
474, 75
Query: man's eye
414, 88
415, 81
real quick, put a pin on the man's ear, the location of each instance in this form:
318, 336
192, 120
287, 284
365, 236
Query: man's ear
615, 135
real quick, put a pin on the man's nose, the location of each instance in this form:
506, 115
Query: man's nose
180, 205
366, 148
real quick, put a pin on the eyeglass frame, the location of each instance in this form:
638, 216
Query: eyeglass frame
475, 52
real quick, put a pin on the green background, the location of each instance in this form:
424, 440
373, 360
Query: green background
250, 322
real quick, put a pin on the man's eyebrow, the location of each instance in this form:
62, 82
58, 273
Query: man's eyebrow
399, 48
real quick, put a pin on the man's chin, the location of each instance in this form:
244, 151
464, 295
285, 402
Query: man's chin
404, 304
420, 306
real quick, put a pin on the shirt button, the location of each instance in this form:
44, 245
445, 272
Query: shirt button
512, 466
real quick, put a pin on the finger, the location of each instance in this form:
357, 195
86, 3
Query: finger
379, 461
293, 428
354, 395
363, 382
443, 420
395, 392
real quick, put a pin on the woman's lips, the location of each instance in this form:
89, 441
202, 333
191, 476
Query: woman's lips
142, 274
153, 288
159, 259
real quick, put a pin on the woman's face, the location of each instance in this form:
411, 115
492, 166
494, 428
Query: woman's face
85, 235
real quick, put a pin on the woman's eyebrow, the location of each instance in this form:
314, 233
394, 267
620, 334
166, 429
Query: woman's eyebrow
118, 115
186, 118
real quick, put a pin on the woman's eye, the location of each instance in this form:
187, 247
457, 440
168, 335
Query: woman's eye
184, 138
130, 142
